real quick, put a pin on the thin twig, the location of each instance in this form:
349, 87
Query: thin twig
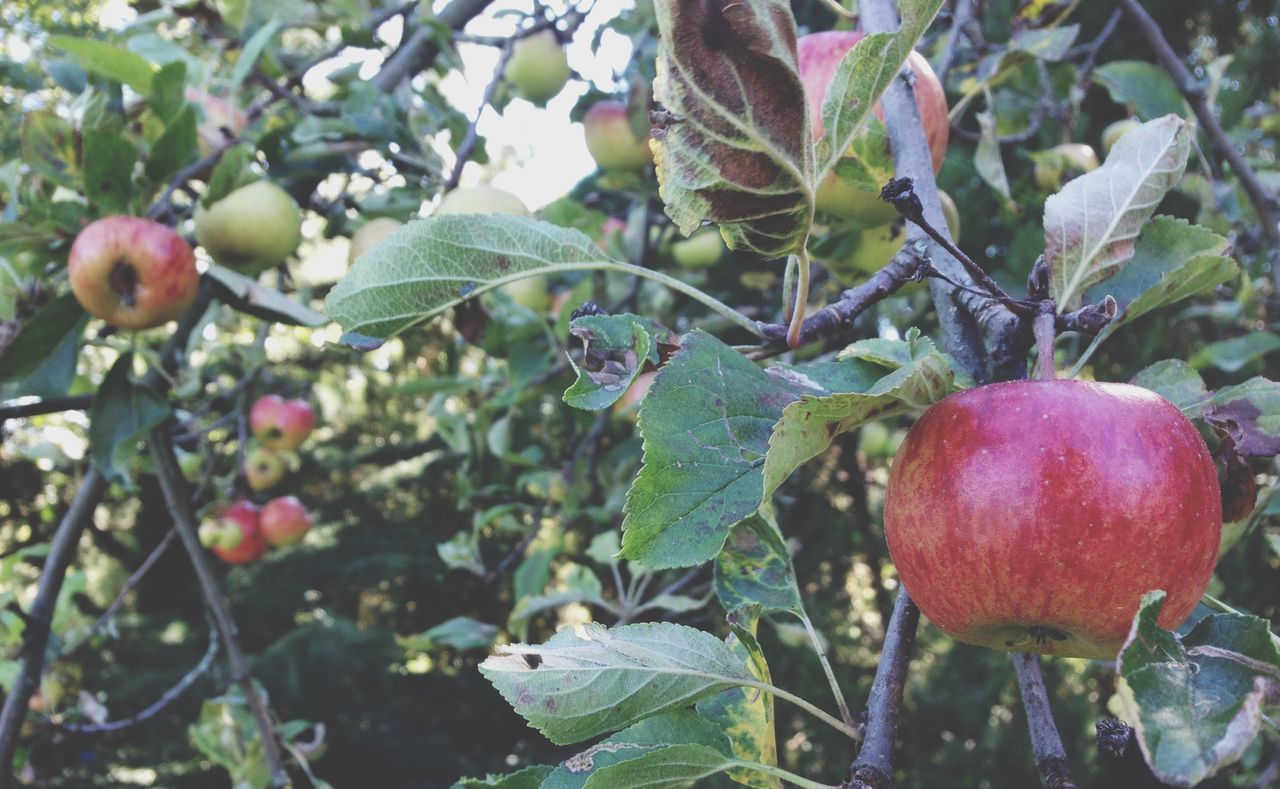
873, 769
472, 137
35, 638
1262, 200
1046, 743
49, 405
960, 18
174, 487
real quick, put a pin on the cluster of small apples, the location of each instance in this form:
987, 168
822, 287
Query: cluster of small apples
242, 533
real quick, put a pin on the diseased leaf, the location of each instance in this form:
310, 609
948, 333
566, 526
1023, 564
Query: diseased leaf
678, 727
746, 714
1091, 225
590, 680
428, 266
1146, 87
1196, 702
734, 146
122, 413
528, 778
1232, 355
752, 570
1250, 415
669, 767
617, 348
48, 144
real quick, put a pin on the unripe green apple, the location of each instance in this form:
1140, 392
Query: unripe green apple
1032, 516
279, 423
611, 141
254, 228
284, 521
530, 293
538, 68
876, 246
242, 516
482, 199
132, 272
1112, 134
369, 235
1061, 163
818, 55
704, 248
263, 469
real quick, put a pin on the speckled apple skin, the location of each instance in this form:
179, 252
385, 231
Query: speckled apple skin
163, 264
1032, 516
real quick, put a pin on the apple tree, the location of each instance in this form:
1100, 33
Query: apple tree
849, 368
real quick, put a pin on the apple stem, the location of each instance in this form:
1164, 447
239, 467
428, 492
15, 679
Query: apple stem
874, 765
1045, 330
1046, 743
801, 299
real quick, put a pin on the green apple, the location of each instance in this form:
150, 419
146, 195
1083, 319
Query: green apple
482, 199
538, 68
254, 228
1061, 163
876, 246
263, 469
704, 248
369, 236
530, 293
1112, 134
611, 140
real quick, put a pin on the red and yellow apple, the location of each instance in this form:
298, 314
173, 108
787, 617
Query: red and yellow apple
252, 229
538, 68
250, 547
369, 235
819, 54
284, 521
132, 272
1032, 516
263, 469
218, 118
612, 141
279, 423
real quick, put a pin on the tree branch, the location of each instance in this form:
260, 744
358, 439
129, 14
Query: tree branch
424, 44
1046, 744
35, 639
873, 769
1262, 200
174, 487
49, 405
472, 137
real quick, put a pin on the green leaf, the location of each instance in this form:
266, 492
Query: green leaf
753, 570
430, 265
122, 413
168, 91
106, 60
922, 377
574, 584
528, 778
1232, 355
108, 170
49, 147
1196, 703
231, 173
175, 148
1090, 226
736, 146
669, 767
641, 670
862, 77
40, 335
679, 727
987, 158
247, 295
616, 350
1049, 44
1177, 382
251, 52
1146, 87
462, 633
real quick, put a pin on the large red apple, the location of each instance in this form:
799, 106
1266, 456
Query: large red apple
132, 272
284, 520
251, 547
819, 54
1032, 516
279, 423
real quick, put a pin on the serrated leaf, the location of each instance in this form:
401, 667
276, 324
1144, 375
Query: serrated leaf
106, 60
616, 350
108, 170
862, 76
428, 266
678, 727
590, 680
122, 412
1177, 382
1172, 260
1090, 226
1233, 354
923, 377
251, 297
1196, 703
528, 778
737, 148
1144, 86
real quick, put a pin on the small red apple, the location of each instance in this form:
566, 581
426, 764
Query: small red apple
611, 140
1032, 516
263, 469
251, 547
284, 520
279, 423
219, 117
132, 272
818, 55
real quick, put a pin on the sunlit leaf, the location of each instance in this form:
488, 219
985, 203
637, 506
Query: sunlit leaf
107, 60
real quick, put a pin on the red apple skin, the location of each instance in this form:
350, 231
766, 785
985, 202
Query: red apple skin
132, 272
245, 515
284, 521
279, 423
1032, 516
818, 55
